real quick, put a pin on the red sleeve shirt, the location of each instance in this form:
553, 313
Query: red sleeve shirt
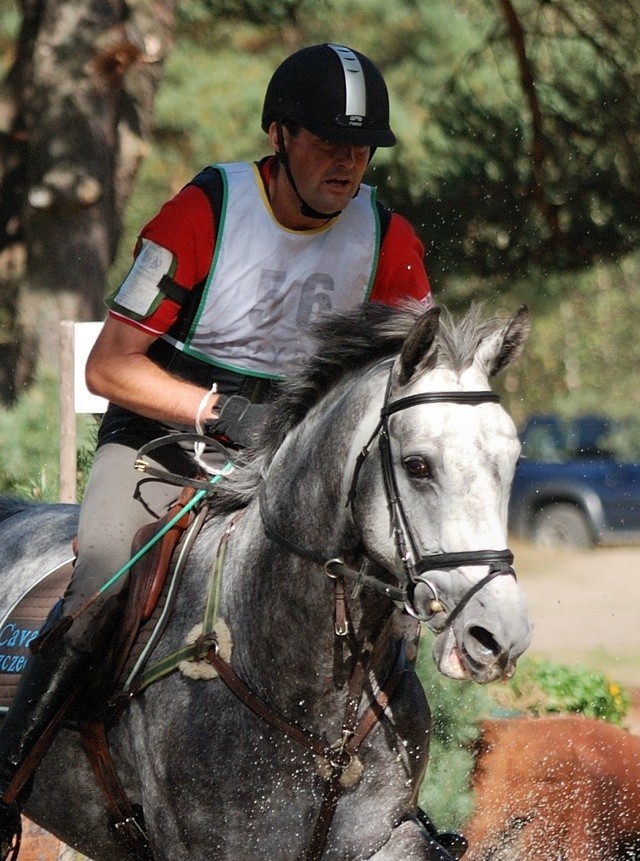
185, 226
401, 273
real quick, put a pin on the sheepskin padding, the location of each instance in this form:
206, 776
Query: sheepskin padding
203, 669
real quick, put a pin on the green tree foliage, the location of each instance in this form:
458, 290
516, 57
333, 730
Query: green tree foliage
260, 12
583, 352
529, 144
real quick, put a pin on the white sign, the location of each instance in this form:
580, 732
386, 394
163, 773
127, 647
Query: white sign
84, 337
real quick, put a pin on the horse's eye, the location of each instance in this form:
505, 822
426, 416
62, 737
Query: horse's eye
417, 467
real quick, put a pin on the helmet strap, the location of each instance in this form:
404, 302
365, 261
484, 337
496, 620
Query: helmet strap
305, 209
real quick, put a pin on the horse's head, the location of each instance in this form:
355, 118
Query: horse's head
440, 469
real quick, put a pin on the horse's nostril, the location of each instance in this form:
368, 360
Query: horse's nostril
485, 639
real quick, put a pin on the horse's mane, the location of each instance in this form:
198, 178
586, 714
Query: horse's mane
345, 342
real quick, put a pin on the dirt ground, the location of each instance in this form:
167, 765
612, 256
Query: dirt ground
585, 607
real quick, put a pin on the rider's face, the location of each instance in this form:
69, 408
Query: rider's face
327, 174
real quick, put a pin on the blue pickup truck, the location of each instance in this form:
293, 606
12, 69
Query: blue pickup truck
574, 487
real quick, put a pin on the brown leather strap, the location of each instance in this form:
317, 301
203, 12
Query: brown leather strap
377, 706
245, 695
330, 798
165, 550
334, 788
340, 613
125, 822
148, 580
95, 742
354, 735
14, 849
354, 732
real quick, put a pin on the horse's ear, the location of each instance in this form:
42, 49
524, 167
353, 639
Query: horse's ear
417, 344
505, 345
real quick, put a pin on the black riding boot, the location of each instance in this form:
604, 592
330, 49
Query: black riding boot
48, 683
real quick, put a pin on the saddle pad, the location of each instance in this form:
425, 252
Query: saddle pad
21, 625
146, 605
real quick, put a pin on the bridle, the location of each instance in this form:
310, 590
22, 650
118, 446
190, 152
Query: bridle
415, 565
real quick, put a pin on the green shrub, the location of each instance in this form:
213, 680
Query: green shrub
542, 687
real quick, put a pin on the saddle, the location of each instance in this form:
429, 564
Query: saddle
143, 606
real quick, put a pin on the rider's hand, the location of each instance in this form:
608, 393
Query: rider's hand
239, 421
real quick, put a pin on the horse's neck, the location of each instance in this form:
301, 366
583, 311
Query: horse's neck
286, 604
308, 481
281, 611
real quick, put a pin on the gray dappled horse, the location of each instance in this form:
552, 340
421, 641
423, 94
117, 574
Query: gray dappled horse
387, 466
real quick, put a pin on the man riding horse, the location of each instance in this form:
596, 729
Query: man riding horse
212, 313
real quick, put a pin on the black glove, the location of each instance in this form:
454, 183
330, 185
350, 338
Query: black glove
239, 421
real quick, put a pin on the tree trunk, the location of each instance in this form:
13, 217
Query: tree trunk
76, 111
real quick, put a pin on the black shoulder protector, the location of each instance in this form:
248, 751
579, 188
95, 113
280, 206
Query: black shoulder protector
210, 181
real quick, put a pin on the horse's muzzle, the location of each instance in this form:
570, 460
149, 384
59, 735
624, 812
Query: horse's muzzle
472, 660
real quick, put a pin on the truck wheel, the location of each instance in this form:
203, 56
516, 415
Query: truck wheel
562, 525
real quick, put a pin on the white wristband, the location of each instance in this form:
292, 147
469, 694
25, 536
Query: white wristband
201, 407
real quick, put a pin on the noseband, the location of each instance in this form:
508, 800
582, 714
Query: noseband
414, 564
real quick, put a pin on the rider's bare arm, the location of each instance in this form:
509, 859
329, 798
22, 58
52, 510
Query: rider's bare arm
119, 369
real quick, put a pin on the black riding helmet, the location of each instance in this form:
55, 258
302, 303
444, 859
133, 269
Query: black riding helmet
335, 93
